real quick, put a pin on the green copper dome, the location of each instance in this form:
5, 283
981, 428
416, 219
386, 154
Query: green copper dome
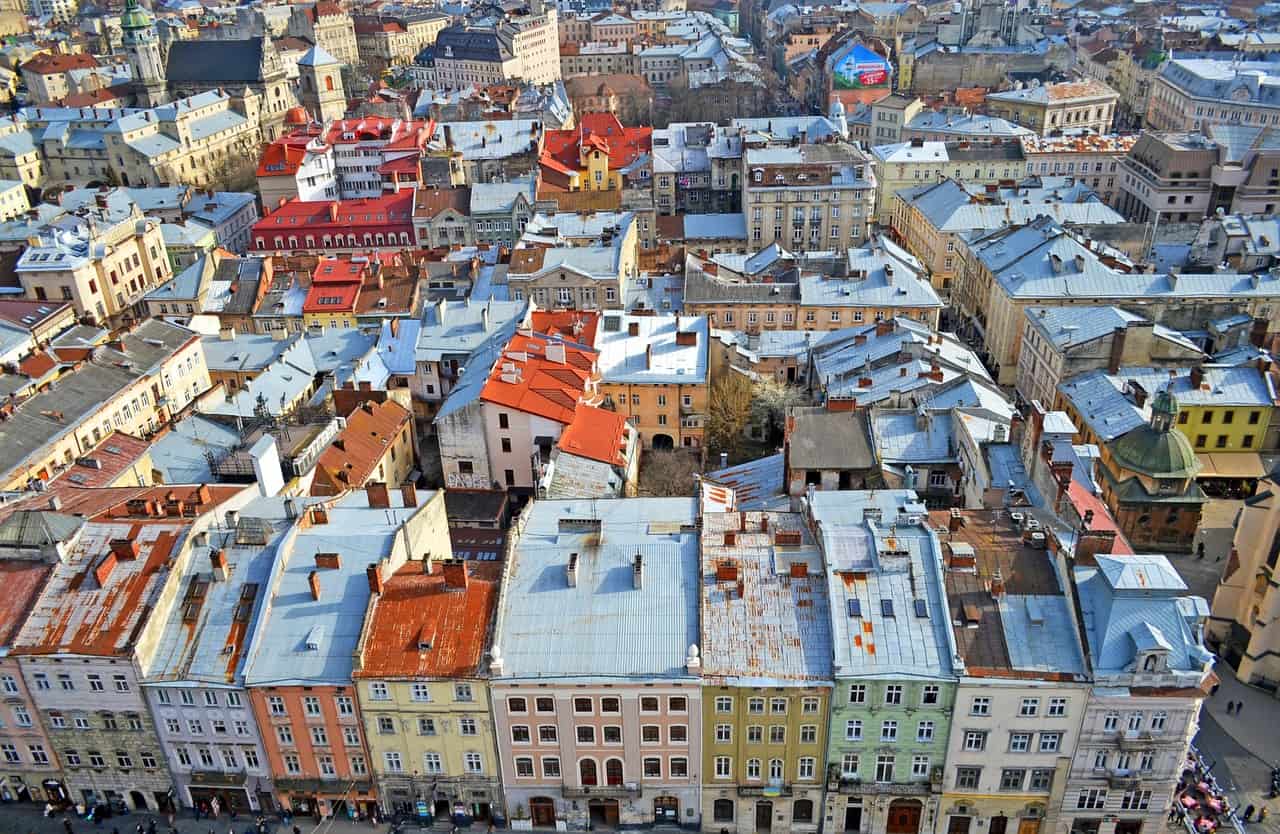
1158, 449
134, 17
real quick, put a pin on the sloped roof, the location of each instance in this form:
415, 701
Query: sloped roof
539, 385
596, 434
210, 61
624, 144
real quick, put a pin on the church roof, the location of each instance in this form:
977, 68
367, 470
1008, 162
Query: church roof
215, 61
317, 56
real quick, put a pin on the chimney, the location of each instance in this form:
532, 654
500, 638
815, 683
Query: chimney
637, 572
648, 356
571, 570
379, 498
125, 550
997, 584
409, 495
328, 561
313, 579
799, 570
1197, 377
1117, 350
633, 328
319, 515
376, 582
104, 568
956, 521
455, 573
884, 327
233, 518
218, 558
727, 571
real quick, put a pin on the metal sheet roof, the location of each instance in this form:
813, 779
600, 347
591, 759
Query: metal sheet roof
548, 629
768, 623
896, 559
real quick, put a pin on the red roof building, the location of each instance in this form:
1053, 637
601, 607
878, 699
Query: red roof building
571, 325
597, 434
543, 377
337, 226
569, 156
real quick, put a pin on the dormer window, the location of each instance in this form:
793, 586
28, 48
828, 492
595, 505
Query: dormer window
1153, 662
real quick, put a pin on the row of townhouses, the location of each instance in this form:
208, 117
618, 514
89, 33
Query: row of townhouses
859, 664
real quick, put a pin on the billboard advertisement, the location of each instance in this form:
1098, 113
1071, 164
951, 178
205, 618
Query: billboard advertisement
861, 69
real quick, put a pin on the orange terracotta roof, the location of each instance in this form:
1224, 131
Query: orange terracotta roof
624, 144
536, 385
370, 431
93, 98
431, 201
596, 434
49, 64
570, 325
280, 159
417, 609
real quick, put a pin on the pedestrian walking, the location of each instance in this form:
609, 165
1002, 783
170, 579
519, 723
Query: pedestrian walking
1231, 707
1239, 707
66, 826
1262, 814
1248, 813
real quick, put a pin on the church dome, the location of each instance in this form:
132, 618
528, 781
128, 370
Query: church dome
134, 17
1156, 448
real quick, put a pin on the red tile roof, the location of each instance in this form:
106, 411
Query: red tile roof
1082, 501
388, 214
49, 64
603, 130
416, 609
14, 310
537, 385
570, 325
596, 434
355, 453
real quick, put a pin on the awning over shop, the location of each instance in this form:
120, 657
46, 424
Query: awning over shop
1231, 465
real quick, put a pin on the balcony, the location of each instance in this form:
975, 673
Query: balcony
1133, 739
627, 790
1122, 778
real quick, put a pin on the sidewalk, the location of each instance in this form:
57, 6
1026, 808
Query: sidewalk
1256, 727
30, 819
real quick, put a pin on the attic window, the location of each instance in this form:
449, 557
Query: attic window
855, 608
922, 610
314, 637
886, 607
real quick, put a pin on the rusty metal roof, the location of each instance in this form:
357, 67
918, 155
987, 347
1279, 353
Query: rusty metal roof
765, 619
97, 601
420, 626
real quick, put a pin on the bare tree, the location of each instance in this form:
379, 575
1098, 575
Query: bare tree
668, 473
728, 412
770, 400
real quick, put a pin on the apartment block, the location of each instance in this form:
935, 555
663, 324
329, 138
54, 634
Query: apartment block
809, 197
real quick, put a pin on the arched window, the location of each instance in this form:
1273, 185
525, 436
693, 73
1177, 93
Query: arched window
328, 83
613, 772
802, 810
587, 770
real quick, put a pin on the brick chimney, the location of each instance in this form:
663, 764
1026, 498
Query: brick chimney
455, 573
125, 550
409, 495
328, 561
313, 579
1197, 377
376, 582
955, 521
379, 498
218, 558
